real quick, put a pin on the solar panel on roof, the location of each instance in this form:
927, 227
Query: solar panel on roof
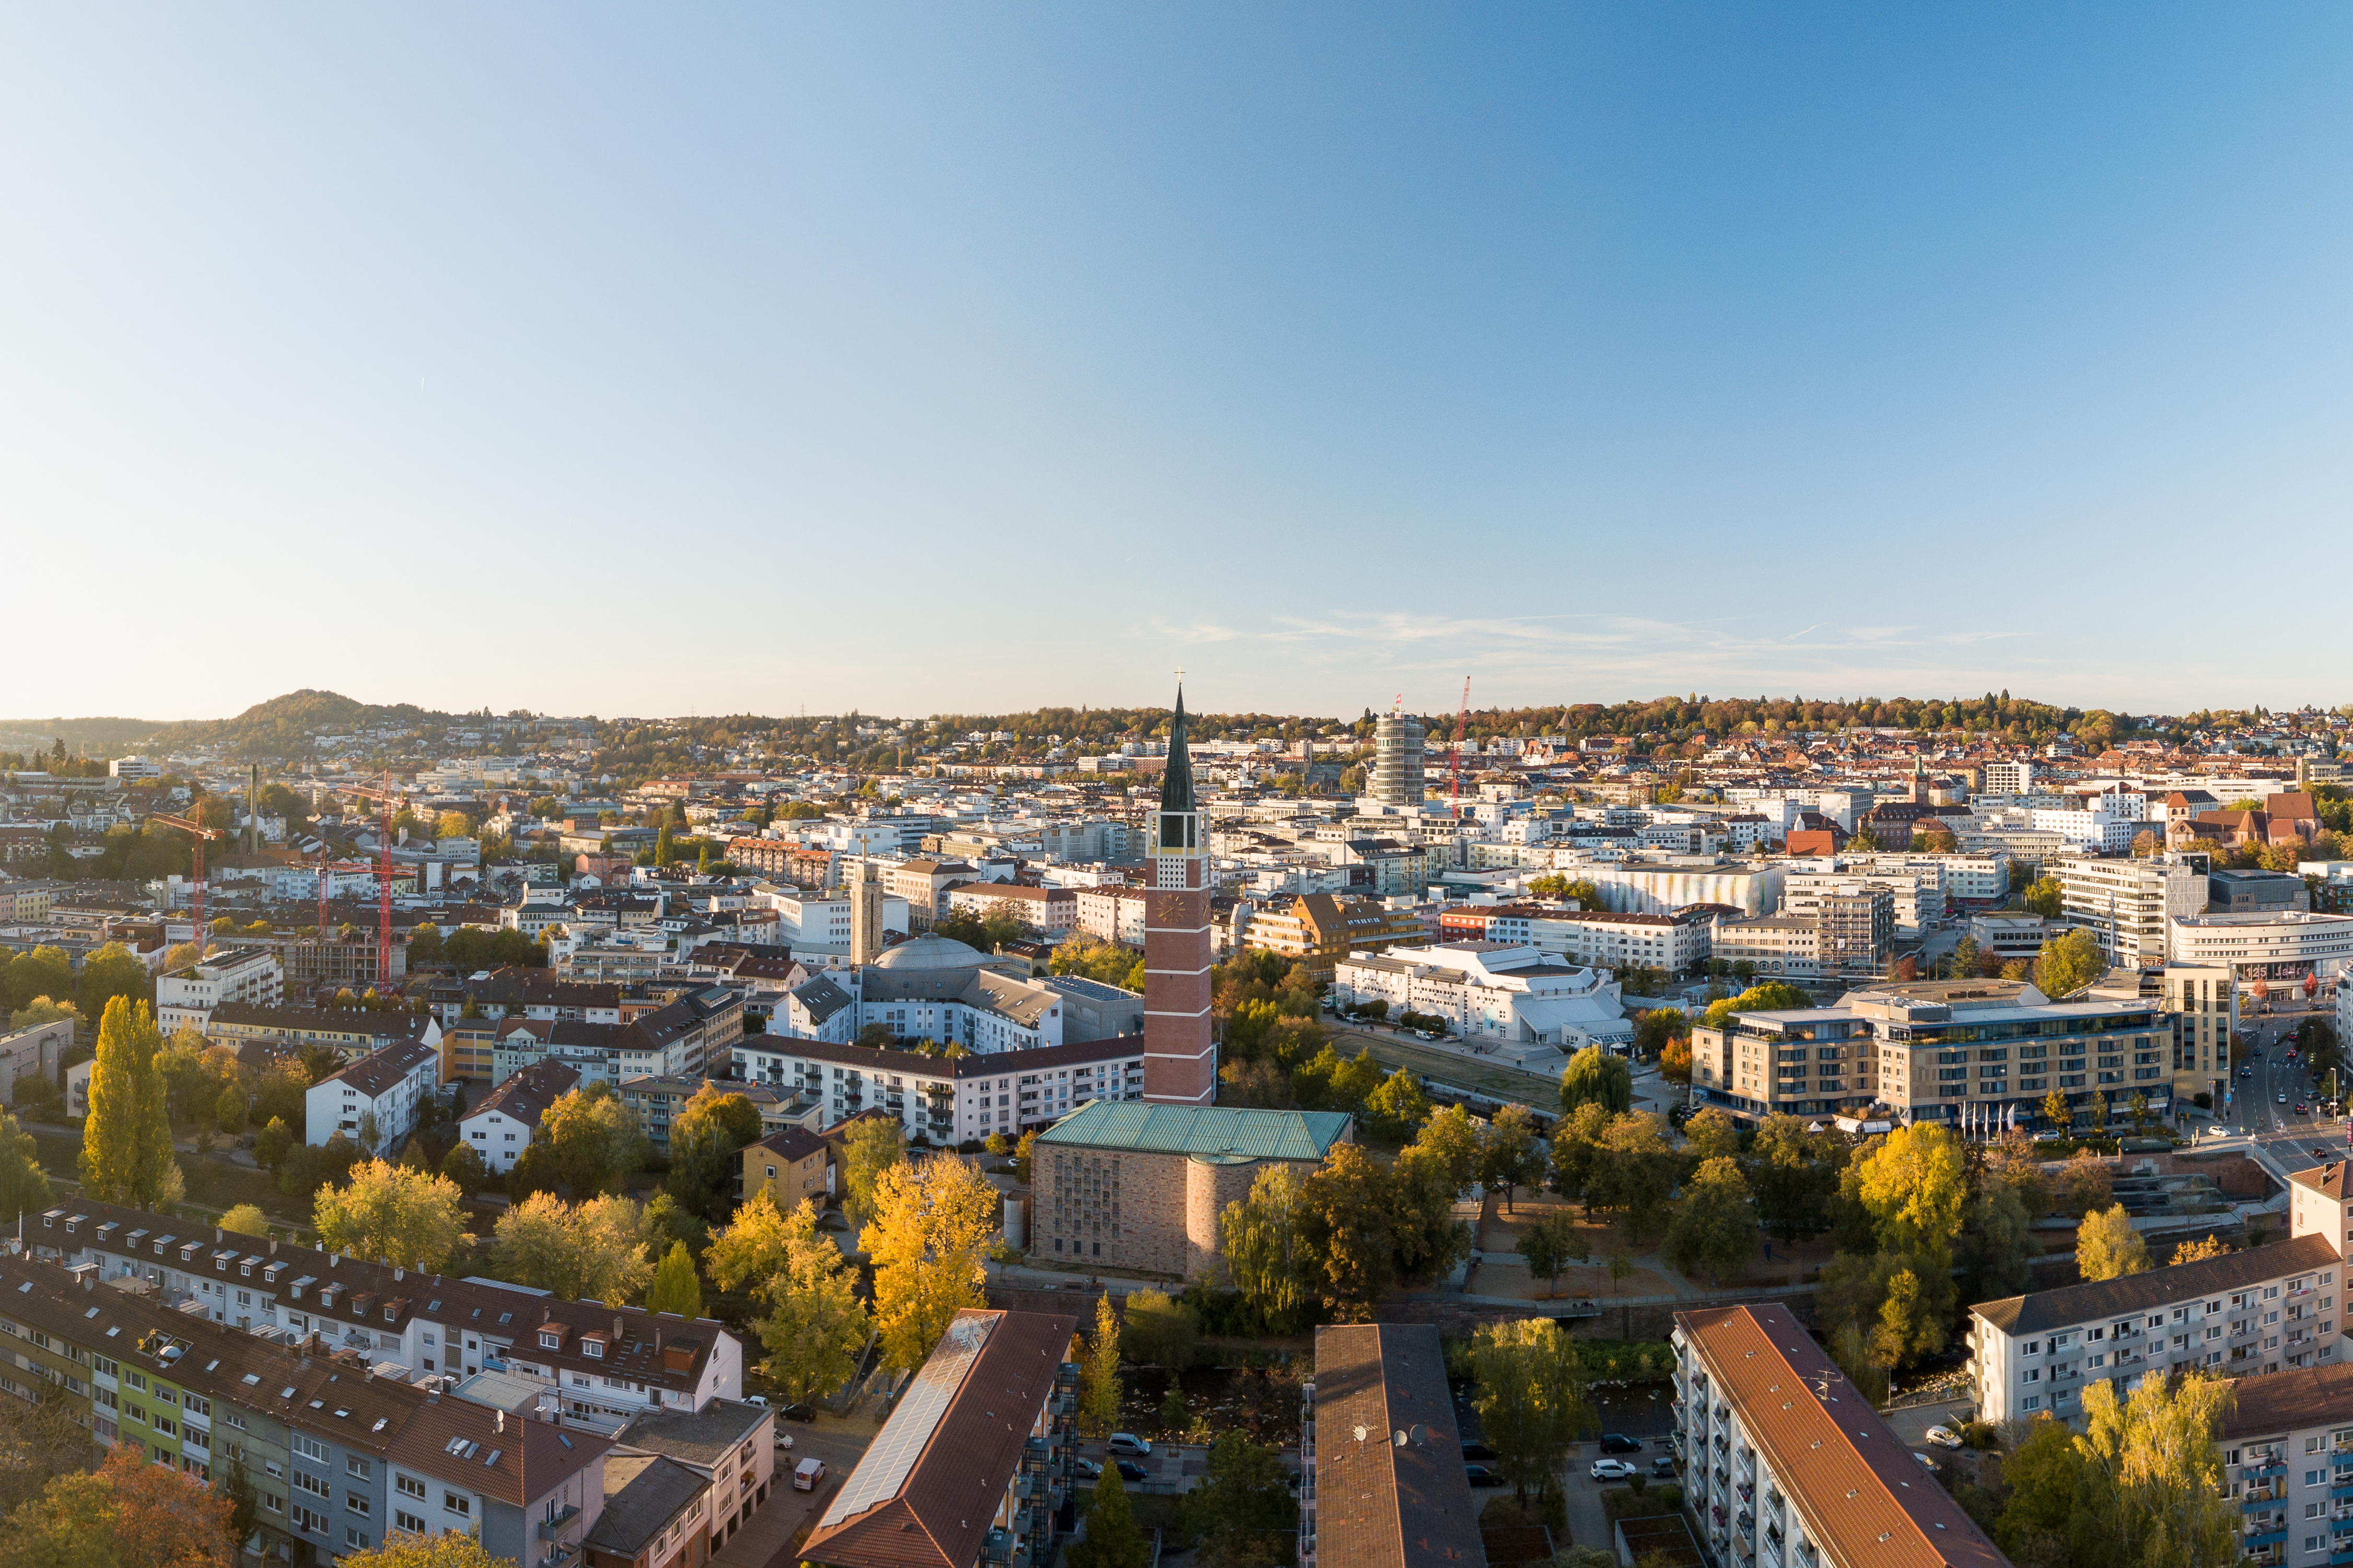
885, 1468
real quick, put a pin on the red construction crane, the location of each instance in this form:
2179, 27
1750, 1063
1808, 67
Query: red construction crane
1461, 727
199, 833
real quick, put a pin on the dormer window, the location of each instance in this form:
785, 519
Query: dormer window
550, 1339
593, 1346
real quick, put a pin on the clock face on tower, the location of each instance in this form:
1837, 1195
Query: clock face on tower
1168, 907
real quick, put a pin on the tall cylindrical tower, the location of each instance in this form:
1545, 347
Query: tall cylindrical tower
1180, 1062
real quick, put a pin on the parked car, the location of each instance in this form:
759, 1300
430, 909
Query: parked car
1944, 1436
1480, 1476
1611, 1470
798, 1413
1131, 1472
1925, 1461
1662, 1468
807, 1473
1129, 1443
1086, 1469
1618, 1443
1477, 1451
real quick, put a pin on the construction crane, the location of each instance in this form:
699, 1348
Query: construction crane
199, 833
1462, 729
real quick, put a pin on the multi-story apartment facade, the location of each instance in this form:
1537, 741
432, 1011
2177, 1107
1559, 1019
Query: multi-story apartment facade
1395, 775
1787, 1466
1777, 947
2265, 1310
1320, 929
188, 995
1962, 1052
378, 1094
1679, 943
2200, 1002
944, 1098
2286, 1443
2127, 903
431, 1325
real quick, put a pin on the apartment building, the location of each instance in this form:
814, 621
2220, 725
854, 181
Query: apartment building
1787, 1466
605, 1364
1392, 1504
693, 1479
373, 1101
974, 1462
33, 1053
2127, 903
2265, 1310
1114, 914
794, 1164
1974, 1052
2201, 1003
186, 997
2287, 1456
1777, 947
1675, 944
1319, 930
502, 1126
2009, 936
337, 1455
1052, 911
944, 1098
1915, 899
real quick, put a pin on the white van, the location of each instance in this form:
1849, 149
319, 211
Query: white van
807, 1473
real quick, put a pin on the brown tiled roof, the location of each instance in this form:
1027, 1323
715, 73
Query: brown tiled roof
1865, 1500
526, 1096
1379, 1505
945, 1508
516, 1461
2284, 1401
2155, 1288
2334, 1180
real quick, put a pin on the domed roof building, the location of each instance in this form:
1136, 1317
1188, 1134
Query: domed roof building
931, 952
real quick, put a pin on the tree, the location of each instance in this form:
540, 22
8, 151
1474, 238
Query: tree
1265, 1255
590, 1251
1712, 1135
2068, 963
676, 1286
463, 1166
46, 972
1396, 1108
245, 1219
126, 1153
1550, 1246
2084, 1182
1425, 1235
1635, 1173
1242, 1513
2151, 1490
2108, 1248
1112, 1539
1530, 1399
393, 1214
41, 1440
2055, 1111
447, 1550
1099, 1374
1157, 1329
1913, 1186
1714, 1226
128, 1513
2042, 1474
1577, 1150
1656, 1028
1452, 1140
706, 1137
1345, 1219
272, 1144
815, 1326
2199, 1251
1676, 1060
588, 1142
113, 971
2043, 897
873, 1145
932, 1223
1510, 1157
1596, 1077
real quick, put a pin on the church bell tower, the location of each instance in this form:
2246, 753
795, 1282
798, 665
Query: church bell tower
1180, 1062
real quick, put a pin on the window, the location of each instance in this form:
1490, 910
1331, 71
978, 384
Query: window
356, 1539
453, 1503
309, 1448
305, 1481
410, 1486
356, 1503
316, 1523
413, 1523
355, 1466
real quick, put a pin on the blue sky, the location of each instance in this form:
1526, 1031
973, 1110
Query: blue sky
922, 359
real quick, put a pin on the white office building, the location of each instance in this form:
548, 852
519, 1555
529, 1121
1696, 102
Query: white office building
2281, 948
2126, 904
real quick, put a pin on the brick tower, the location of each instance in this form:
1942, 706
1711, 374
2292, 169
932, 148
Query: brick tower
1180, 1062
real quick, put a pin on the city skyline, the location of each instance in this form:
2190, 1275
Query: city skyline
939, 362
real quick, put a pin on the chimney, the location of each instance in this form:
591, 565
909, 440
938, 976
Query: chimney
398, 1275
617, 1330
273, 1246
501, 1417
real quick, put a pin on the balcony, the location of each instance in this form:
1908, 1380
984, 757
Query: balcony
2256, 1541
553, 1529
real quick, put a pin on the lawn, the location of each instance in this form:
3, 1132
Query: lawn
1496, 1079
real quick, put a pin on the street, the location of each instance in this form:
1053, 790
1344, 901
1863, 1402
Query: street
2294, 1140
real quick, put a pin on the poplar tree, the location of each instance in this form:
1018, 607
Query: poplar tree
126, 1152
1099, 1391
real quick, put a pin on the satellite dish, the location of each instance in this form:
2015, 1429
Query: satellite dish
1420, 1435
1397, 1436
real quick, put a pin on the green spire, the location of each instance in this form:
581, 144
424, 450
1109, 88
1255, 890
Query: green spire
1176, 778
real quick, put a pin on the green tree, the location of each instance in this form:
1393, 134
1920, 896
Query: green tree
1157, 1329
2152, 1489
1550, 1246
272, 1144
1711, 1135
676, 1286
1265, 1253
126, 1154
2043, 1476
706, 1139
932, 1223
1597, 1077
1577, 1150
1793, 1172
23, 1186
588, 1142
1099, 1376
1242, 1513
1112, 1539
113, 971
463, 1167
1714, 1225
1636, 1171
2043, 897
44, 972
1347, 1215
1450, 1138
2068, 963
873, 1145
392, 1213
1530, 1399
2108, 1248
1510, 1155
590, 1251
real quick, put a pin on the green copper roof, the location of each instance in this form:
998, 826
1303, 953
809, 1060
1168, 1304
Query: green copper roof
1176, 778
1203, 1130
